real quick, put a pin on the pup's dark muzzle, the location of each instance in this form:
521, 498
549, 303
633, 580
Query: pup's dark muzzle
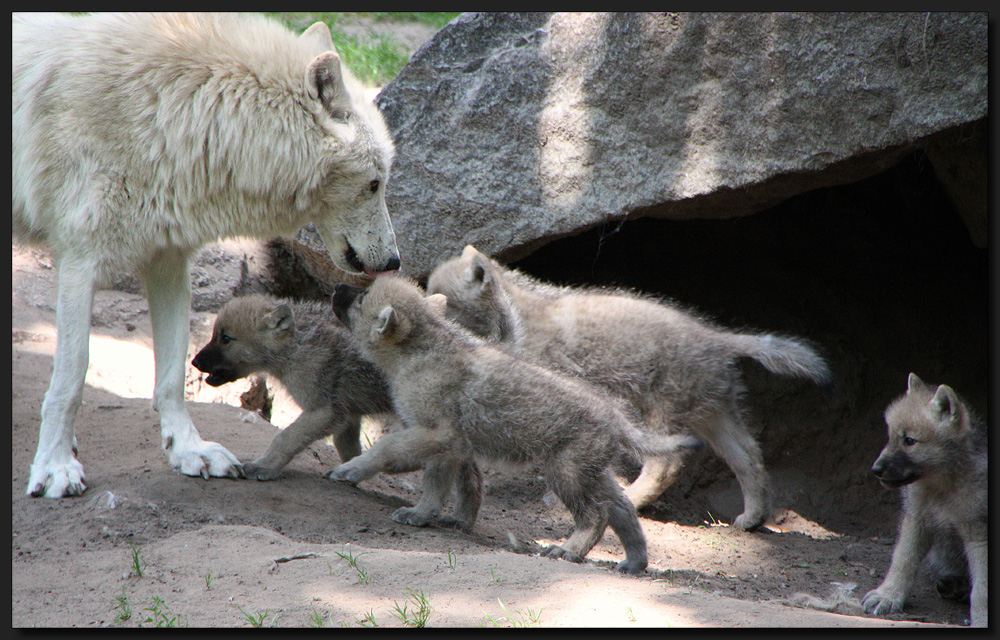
343, 297
206, 361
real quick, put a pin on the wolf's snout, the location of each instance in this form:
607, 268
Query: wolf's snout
343, 296
390, 265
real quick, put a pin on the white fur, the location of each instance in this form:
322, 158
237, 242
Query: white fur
136, 139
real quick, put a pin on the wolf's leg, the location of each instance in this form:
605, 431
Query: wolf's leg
168, 290
911, 546
625, 523
398, 452
949, 567
979, 571
583, 498
347, 438
439, 476
729, 438
468, 497
56, 472
309, 427
657, 474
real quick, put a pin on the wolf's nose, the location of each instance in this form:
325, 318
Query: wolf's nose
393, 264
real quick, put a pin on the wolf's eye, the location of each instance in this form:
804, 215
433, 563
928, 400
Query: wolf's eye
373, 185
908, 441
225, 339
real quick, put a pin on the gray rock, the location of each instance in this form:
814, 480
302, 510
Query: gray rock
513, 130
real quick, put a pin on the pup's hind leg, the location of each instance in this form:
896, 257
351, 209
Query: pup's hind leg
589, 510
728, 436
624, 522
168, 290
439, 477
468, 497
56, 472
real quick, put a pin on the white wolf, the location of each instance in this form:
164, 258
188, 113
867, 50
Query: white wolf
136, 139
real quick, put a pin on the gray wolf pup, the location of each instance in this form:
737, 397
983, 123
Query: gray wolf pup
676, 371
937, 457
138, 138
461, 397
313, 357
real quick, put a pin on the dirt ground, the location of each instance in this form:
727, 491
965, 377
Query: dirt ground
147, 546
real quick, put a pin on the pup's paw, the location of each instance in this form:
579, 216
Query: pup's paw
412, 517
255, 471
555, 551
882, 601
349, 472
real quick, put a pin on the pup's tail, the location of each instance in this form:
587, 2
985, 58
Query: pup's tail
782, 355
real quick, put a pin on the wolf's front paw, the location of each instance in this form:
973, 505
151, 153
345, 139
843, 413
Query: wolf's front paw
749, 520
879, 602
412, 517
453, 522
205, 459
255, 471
631, 567
57, 480
555, 551
349, 472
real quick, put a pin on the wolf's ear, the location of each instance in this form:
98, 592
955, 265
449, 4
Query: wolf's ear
325, 82
478, 272
945, 404
318, 38
388, 324
438, 303
913, 382
279, 319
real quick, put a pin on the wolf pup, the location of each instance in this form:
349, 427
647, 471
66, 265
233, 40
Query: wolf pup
676, 371
313, 358
138, 138
462, 397
937, 456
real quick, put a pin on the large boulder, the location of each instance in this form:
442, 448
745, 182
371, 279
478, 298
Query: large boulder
515, 129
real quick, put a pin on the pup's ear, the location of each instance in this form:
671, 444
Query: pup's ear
318, 38
324, 81
279, 319
438, 303
945, 404
387, 324
478, 272
913, 382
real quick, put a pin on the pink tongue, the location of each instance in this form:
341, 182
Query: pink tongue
374, 274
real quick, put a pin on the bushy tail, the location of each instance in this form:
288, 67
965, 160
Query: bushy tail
782, 355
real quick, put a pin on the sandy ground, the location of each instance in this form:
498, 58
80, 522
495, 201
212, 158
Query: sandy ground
147, 546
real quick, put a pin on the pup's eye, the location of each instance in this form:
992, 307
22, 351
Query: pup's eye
225, 339
373, 185
908, 441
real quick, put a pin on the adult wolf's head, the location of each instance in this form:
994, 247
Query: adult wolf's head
348, 205
927, 428
248, 332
